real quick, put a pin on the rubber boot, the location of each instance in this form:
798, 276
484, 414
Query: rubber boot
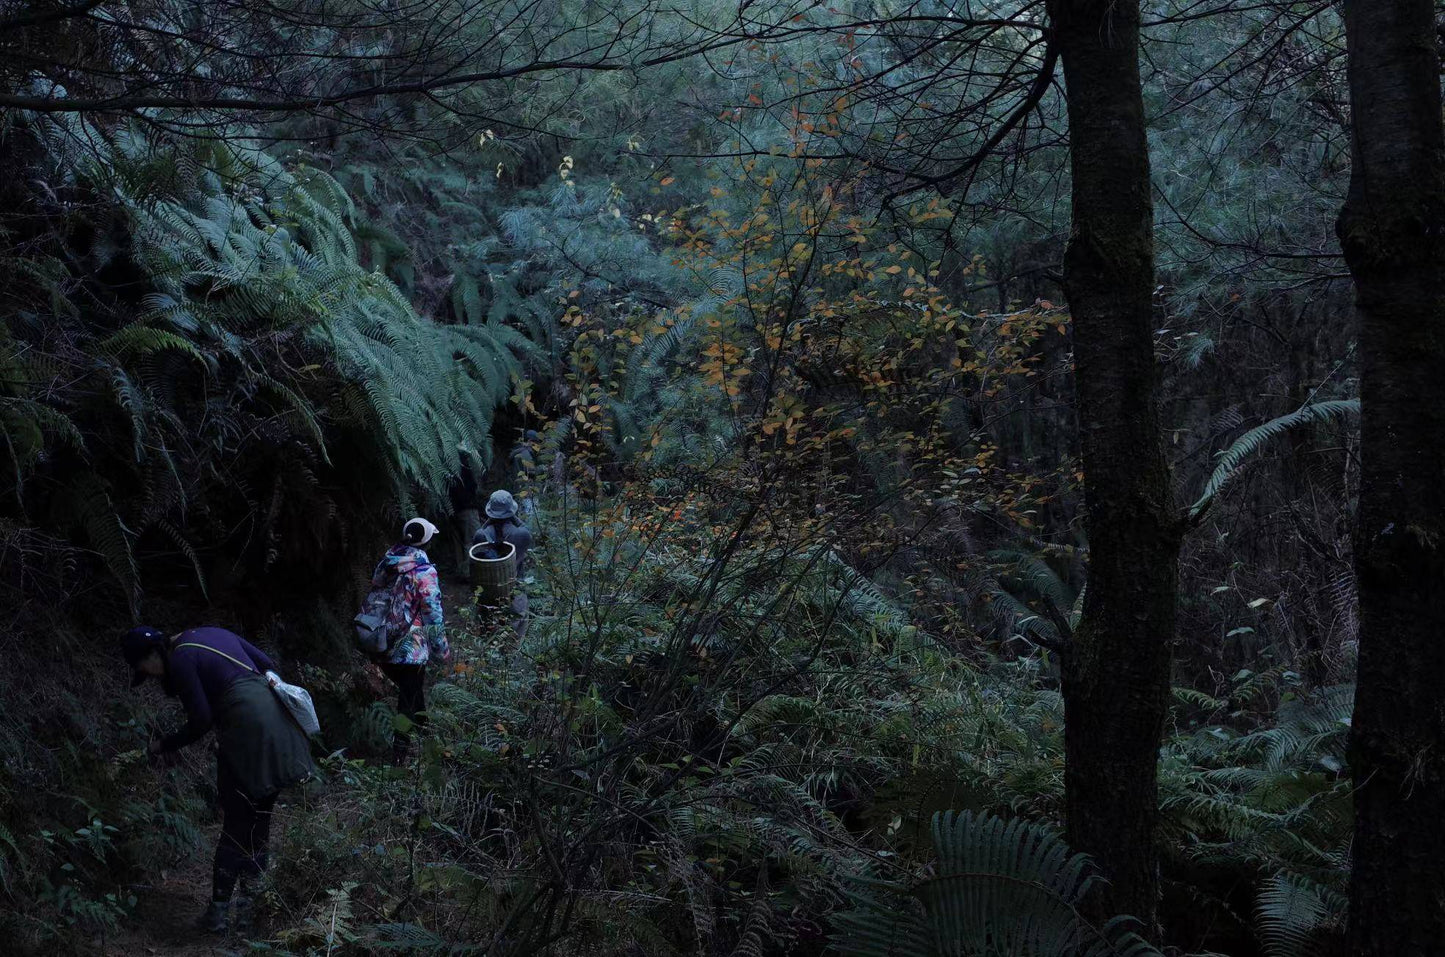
214, 920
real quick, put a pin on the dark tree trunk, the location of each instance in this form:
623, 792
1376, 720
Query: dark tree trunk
1392, 230
1116, 671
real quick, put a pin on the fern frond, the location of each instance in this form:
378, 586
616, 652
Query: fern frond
1291, 913
187, 549
137, 339
1232, 459
1001, 887
87, 504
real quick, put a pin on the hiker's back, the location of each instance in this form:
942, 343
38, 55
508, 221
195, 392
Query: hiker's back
215, 658
401, 618
510, 531
411, 624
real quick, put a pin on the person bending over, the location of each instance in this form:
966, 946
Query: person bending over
219, 678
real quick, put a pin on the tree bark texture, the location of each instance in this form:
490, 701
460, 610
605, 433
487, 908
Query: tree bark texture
1116, 670
1392, 230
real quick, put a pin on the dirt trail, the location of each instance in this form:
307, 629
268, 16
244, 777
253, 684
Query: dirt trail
165, 918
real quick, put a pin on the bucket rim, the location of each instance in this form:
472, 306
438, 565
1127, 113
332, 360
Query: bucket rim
472, 553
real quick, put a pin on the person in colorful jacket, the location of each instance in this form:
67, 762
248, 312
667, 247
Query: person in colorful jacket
218, 676
416, 621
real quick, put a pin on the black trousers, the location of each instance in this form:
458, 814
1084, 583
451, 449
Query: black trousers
245, 834
410, 681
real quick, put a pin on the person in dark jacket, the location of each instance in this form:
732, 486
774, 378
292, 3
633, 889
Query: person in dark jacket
220, 680
503, 525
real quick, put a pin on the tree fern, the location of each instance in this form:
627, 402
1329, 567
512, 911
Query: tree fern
405, 365
756, 929
262, 350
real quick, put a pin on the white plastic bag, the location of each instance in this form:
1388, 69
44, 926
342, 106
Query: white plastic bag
297, 700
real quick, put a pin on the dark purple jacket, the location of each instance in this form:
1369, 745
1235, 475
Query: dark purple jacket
199, 677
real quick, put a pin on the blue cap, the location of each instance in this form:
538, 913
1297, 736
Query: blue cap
137, 645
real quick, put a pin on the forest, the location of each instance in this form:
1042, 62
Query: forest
973, 473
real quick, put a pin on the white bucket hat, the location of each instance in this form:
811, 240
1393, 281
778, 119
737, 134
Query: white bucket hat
426, 529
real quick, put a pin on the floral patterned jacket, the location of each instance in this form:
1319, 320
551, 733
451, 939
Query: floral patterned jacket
416, 606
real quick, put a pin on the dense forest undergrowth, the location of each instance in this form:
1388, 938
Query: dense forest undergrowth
780, 354
620, 783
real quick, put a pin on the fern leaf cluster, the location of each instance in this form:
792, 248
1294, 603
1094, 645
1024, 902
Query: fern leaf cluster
247, 364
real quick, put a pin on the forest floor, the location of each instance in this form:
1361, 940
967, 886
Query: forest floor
166, 915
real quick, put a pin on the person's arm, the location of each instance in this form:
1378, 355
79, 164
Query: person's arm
186, 681
429, 594
259, 658
522, 541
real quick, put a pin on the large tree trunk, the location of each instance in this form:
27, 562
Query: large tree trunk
1116, 671
1392, 230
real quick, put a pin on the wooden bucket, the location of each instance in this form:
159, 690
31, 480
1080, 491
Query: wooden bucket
494, 578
